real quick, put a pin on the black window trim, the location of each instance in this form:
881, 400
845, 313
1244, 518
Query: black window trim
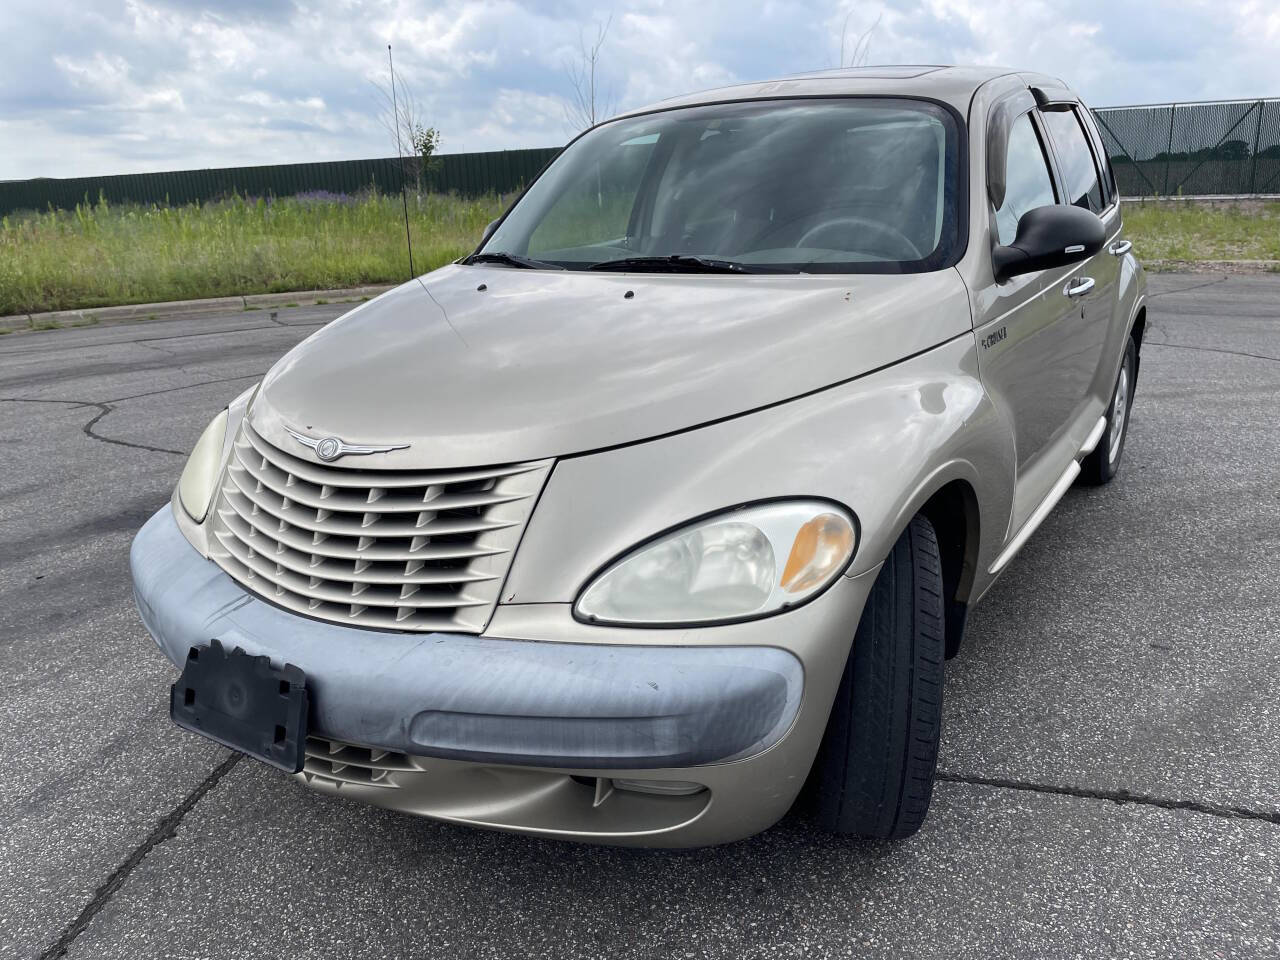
1050, 160
1072, 107
1100, 158
1000, 119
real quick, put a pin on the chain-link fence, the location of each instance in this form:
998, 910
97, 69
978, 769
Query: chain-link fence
1223, 148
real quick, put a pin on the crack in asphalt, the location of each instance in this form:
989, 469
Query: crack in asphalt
269, 325
177, 360
1195, 286
104, 408
74, 403
166, 829
107, 406
1222, 810
1155, 327
186, 386
1233, 353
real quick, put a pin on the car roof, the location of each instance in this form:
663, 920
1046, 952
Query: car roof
954, 85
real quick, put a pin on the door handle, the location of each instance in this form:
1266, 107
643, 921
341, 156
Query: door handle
1078, 287
1121, 247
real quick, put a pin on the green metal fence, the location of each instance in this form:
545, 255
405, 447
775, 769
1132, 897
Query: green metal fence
468, 174
1219, 148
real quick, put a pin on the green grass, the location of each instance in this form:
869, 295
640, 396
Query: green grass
98, 255
1192, 231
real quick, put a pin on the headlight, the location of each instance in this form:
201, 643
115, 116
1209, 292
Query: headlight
195, 489
200, 475
747, 563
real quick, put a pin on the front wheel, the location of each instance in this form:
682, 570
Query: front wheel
873, 776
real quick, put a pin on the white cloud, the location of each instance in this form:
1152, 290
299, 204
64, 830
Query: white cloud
166, 84
99, 71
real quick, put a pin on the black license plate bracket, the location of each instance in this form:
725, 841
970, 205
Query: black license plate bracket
244, 703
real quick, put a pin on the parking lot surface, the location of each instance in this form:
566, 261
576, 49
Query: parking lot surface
1111, 745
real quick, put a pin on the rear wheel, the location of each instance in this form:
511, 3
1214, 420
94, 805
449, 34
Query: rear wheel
1104, 463
873, 776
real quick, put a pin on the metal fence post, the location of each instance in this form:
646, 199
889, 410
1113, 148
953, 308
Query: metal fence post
1168, 153
1257, 146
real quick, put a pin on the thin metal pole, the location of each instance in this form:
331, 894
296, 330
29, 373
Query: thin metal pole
1168, 153
1257, 146
395, 110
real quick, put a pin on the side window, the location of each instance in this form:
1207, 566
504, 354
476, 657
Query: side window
1027, 181
1100, 153
1079, 171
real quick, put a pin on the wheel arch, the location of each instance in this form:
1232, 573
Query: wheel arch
949, 500
1137, 331
955, 515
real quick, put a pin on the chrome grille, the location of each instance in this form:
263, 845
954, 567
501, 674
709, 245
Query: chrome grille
398, 549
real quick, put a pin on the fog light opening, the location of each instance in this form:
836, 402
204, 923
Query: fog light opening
666, 788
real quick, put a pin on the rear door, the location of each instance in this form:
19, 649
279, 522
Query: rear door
1081, 167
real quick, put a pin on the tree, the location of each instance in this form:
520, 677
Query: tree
860, 50
590, 102
1233, 150
409, 135
425, 141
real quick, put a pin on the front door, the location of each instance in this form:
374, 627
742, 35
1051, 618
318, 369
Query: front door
1030, 329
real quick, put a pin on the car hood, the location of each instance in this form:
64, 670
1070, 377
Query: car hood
477, 365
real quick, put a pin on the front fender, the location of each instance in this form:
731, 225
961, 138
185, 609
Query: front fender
881, 444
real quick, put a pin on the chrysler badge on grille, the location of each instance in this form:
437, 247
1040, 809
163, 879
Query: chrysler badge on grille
331, 448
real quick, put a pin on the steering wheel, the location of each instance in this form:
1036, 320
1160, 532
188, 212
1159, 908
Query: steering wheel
897, 242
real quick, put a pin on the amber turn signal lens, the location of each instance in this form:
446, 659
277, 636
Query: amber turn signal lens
821, 546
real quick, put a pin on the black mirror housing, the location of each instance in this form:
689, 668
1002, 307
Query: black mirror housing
488, 230
1051, 236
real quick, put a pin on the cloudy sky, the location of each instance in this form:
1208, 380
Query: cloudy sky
118, 86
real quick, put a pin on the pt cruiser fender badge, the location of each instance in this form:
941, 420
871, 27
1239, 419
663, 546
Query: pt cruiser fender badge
331, 448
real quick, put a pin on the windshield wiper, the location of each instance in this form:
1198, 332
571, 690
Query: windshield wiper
512, 260
679, 262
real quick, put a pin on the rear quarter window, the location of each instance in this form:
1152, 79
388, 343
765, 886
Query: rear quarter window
1075, 159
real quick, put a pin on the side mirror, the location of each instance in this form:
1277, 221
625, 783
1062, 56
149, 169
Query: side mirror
488, 231
1048, 237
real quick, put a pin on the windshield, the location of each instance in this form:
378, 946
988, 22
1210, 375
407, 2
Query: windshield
822, 186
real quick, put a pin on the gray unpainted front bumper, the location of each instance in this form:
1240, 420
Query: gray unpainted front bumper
554, 704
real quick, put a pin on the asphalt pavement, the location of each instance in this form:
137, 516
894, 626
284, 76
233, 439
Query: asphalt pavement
1111, 745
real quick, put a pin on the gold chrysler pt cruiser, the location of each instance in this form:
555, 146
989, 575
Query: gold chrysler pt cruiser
661, 512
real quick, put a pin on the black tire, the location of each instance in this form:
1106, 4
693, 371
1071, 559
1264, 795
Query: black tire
873, 776
1104, 463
